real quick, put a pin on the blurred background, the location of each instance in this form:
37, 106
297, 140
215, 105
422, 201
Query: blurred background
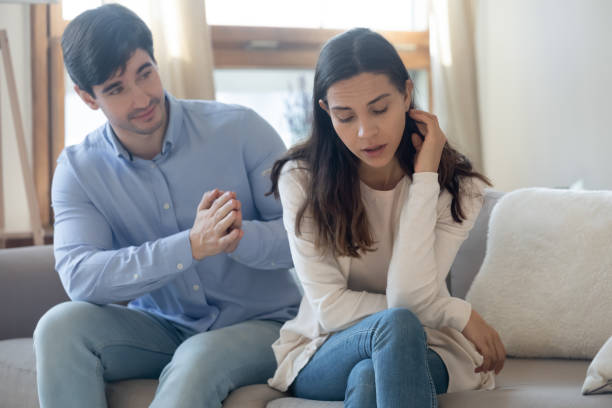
520, 86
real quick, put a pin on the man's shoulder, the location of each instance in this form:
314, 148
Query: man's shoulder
94, 146
228, 123
214, 109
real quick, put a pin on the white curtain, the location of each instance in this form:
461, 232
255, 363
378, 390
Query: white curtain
182, 44
453, 63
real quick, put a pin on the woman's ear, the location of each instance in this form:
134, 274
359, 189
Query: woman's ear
323, 105
408, 94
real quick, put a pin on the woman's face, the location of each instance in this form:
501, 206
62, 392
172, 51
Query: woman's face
369, 115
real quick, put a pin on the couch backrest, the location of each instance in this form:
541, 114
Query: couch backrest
29, 286
472, 252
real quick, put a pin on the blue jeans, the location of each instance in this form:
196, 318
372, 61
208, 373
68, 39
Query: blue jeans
80, 346
381, 361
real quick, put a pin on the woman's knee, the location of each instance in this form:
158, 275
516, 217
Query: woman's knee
362, 373
402, 318
361, 385
402, 324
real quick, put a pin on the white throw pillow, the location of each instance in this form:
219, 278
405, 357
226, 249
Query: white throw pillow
599, 375
545, 283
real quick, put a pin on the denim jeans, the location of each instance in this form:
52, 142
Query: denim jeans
79, 346
382, 361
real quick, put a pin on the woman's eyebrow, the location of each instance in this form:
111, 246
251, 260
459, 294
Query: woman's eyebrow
378, 98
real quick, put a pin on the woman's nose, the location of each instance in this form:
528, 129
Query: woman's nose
367, 128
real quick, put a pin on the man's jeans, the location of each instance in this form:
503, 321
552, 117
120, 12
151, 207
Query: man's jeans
382, 361
79, 346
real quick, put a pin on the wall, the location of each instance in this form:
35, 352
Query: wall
16, 20
545, 88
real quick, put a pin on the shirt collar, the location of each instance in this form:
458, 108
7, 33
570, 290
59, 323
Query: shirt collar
175, 111
175, 122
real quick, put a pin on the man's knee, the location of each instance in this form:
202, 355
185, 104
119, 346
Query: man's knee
67, 320
226, 351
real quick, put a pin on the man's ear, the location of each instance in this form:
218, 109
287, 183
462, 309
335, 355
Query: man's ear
87, 98
408, 94
323, 105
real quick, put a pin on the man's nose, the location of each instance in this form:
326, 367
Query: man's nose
140, 98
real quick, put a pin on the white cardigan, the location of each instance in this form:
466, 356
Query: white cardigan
426, 241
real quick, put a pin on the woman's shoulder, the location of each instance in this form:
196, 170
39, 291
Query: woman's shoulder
294, 177
295, 171
471, 195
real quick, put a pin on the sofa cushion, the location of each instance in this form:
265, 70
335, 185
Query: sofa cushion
542, 383
544, 283
17, 374
291, 402
522, 383
131, 393
252, 396
599, 374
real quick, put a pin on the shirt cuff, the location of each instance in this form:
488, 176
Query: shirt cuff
246, 249
463, 311
424, 177
179, 246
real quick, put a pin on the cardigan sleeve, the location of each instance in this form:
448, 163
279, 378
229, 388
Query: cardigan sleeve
426, 243
325, 285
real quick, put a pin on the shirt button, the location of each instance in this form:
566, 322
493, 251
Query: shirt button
152, 165
135, 276
179, 266
166, 206
196, 287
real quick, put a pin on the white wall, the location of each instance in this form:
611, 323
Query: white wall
15, 19
545, 88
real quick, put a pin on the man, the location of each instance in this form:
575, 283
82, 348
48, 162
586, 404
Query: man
206, 275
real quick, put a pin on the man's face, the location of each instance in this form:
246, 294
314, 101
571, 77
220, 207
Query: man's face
133, 100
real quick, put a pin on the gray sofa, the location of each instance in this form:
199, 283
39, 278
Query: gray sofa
29, 286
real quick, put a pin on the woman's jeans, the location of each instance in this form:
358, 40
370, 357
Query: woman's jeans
382, 361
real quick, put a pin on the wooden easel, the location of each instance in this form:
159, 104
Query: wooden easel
35, 221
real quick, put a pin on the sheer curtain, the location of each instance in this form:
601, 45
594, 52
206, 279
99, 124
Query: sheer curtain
453, 63
182, 44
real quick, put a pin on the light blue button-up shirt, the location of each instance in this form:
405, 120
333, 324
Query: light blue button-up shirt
122, 223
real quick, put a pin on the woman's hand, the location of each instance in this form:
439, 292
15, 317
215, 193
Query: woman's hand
487, 342
429, 151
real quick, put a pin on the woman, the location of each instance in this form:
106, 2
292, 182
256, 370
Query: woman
376, 205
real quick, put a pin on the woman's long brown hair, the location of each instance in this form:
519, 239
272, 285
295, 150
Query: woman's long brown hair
333, 194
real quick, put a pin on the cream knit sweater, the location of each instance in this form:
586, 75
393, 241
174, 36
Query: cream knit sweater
413, 224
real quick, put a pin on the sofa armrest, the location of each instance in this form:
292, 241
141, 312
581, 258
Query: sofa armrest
29, 286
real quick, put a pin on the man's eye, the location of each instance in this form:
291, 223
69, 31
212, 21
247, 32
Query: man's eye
116, 91
145, 75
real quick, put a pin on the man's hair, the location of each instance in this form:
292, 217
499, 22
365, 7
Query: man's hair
99, 42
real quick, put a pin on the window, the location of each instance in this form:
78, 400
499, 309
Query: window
267, 62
